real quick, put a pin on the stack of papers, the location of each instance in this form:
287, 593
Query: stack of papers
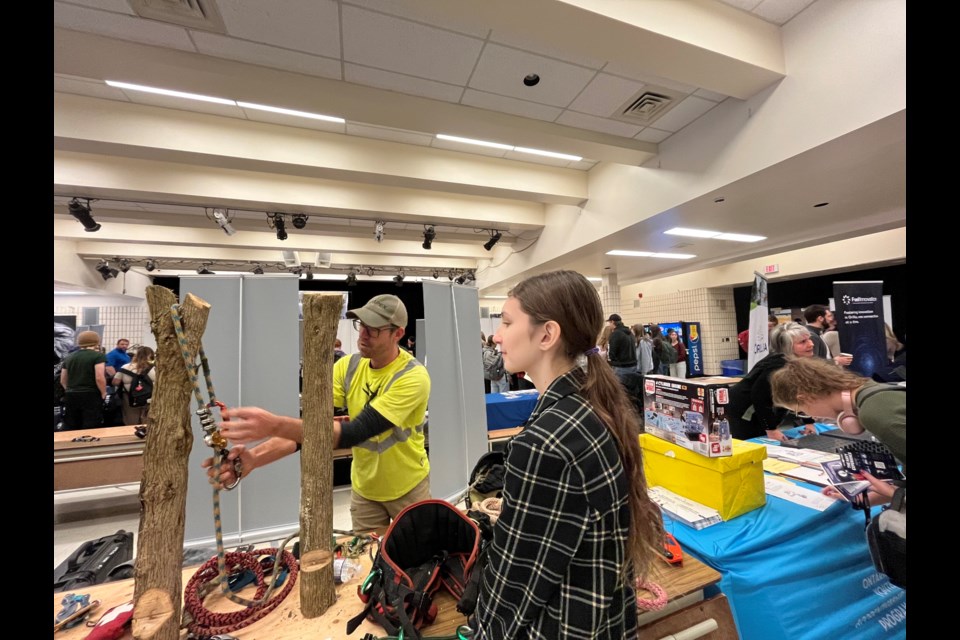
689, 512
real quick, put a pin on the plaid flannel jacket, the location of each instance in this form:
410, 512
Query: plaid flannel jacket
555, 563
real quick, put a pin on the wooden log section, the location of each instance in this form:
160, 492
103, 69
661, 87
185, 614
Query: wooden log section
163, 488
321, 315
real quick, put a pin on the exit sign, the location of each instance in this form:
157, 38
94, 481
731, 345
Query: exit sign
771, 268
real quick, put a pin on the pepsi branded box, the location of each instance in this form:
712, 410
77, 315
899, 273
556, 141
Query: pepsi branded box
691, 413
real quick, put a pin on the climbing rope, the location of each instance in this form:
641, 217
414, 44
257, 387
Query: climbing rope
200, 622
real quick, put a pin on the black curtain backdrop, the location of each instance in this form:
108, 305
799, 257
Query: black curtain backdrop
819, 289
411, 293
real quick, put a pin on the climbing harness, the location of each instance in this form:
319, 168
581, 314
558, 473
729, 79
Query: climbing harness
200, 622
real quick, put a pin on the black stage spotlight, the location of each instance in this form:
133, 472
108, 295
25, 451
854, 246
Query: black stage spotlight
429, 233
450, 275
203, 271
494, 239
351, 279
222, 218
297, 271
82, 213
461, 279
398, 279
309, 273
276, 221
436, 274
258, 270
151, 265
378, 230
105, 271
299, 220
370, 271
124, 266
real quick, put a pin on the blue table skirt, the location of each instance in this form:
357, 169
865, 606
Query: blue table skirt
793, 573
510, 410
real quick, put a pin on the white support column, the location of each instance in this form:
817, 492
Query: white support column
610, 294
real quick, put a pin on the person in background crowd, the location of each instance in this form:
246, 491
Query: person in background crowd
751, 410
384, 390
622, 352
338, 350
818, 318
822, 390
678, 369
84, 380
490, 353
644, 349
117, 357
658, 342
127, 375
576, 524
603, 341
893, 343
410, 345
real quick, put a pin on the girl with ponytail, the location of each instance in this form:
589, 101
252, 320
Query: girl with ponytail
576, 526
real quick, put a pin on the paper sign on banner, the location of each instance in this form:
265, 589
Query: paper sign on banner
759, 312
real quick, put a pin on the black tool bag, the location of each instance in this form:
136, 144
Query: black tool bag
429, 546
93, 561
486, 479
887, 538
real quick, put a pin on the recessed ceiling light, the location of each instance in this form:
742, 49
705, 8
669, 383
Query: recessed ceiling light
480, 143
822, 204
168, 92
531, 79
719, 200
693, 233
290, 112
740, 237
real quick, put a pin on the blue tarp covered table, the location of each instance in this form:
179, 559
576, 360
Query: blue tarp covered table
793, 573
505, 411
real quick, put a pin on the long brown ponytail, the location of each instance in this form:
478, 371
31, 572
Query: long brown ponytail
568, 298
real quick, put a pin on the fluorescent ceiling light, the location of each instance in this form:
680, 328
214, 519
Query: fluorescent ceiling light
693, 233
480, 143
740, 237
549, 154
717, 235
289, 112
168, 92
649, 254
595, 279
498, 145
494, 297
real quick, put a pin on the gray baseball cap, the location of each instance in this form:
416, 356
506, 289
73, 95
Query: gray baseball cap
380, 311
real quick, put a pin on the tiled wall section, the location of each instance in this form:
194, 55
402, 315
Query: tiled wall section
132, 323
713, 308
610, 299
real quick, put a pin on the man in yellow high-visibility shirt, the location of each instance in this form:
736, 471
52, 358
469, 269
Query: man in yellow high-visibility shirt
384, 390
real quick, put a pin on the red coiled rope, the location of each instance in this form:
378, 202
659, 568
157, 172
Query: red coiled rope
205, 623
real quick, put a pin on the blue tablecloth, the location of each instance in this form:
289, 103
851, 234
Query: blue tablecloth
510, 410
793, 573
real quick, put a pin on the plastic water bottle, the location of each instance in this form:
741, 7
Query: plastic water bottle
344, 569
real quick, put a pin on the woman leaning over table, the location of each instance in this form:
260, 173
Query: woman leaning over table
576, 525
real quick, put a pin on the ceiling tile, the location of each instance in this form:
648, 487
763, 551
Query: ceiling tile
468, 148
510, 105
384, 42
684, 113
531, 46
117, 6
619, 69
710, 95
653, 135
605, 95
268, 56
530, 157
746, 5
85, 87
582, 165
119, 26
402, 83
311, 26
258, 115
384, 133
603, 125
182, 104
419, 13
501, 70
780, 11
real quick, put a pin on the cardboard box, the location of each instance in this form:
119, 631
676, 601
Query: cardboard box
689, 412
732, 485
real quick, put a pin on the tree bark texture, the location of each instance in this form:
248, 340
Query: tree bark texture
321, 315
163, 489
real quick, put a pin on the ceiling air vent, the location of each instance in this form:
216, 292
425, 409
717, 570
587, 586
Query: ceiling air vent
648, 105
194, 14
